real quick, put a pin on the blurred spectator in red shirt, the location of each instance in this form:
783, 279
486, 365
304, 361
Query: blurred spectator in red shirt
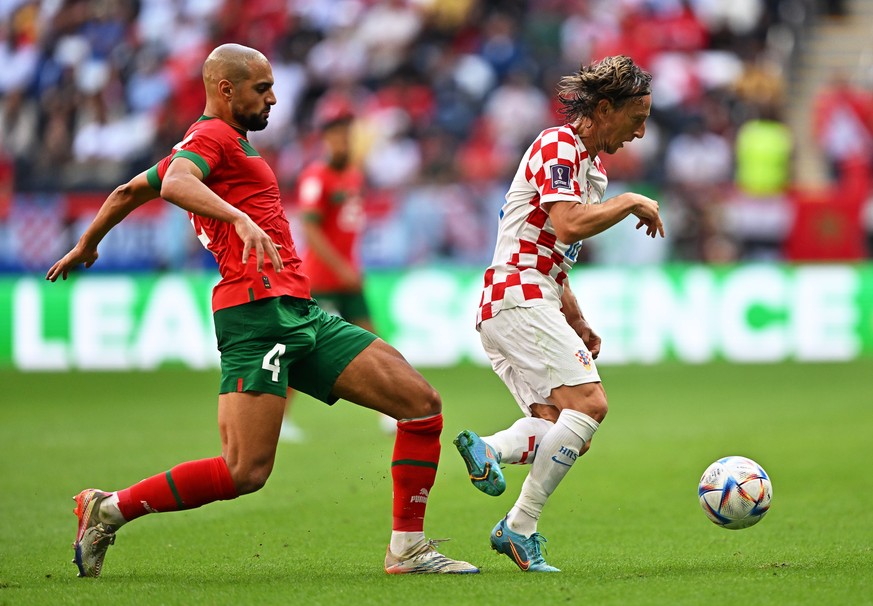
843, 123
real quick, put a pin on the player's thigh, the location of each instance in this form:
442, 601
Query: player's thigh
337, 344
542, 351
379, 377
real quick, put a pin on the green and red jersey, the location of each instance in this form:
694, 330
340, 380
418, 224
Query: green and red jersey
235, 171
334, 199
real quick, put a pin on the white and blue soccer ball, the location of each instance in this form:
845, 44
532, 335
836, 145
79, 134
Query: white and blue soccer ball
735, 492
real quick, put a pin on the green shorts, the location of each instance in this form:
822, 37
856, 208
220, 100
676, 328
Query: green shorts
272, 344
349, 305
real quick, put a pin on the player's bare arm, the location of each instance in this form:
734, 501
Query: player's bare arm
574, 222
183, 186
573, 313
120, 203
327, 252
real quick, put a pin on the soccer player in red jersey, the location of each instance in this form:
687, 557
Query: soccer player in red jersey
530, 323
270, 333
330, 198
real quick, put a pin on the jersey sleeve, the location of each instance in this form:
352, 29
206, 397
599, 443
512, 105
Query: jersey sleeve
553, 167
203, 146
155, 177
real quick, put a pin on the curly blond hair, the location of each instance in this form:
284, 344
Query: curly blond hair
617, 79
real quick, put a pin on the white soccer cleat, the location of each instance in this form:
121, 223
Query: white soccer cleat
93, 537
425, 559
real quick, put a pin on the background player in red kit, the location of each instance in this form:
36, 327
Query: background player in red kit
270, 333
331, 198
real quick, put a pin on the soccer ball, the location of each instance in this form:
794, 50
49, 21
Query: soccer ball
735, 492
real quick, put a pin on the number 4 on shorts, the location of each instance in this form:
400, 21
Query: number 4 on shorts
271, 360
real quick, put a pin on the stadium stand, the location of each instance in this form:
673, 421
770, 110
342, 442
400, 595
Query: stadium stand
449, 92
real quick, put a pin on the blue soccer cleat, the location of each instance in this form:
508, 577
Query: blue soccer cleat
482, 465
524, 551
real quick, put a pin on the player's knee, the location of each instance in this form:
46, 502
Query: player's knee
432, 402
424, 401
250, 478
595, 406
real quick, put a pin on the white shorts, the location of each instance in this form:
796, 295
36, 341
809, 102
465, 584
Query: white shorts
533, 350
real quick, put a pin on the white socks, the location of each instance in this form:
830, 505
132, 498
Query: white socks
557, 452
403, 542
518, 443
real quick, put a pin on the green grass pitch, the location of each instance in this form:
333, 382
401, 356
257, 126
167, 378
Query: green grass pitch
625, 525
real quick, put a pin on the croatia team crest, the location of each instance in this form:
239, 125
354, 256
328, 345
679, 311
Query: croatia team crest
584, 357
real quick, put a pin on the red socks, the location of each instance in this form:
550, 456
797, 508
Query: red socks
196, 483
413, 469
186, 486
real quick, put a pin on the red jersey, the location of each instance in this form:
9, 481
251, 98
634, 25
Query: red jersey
234, 170
334, 199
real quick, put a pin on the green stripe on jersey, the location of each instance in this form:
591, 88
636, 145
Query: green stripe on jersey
153, 178
247, 148
195, 158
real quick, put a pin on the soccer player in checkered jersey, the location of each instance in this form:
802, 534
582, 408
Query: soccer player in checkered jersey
271, 335
529, 321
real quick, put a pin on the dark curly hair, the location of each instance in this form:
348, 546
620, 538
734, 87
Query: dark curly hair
617, 79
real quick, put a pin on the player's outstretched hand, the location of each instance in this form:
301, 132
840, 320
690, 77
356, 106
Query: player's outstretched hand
70, 261
254, 237
646, 210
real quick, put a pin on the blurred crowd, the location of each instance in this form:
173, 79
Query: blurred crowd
447, 94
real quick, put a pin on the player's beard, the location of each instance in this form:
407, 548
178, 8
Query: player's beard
252, 121
339, 160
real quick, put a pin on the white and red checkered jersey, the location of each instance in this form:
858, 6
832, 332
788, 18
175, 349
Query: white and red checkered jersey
530, 264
